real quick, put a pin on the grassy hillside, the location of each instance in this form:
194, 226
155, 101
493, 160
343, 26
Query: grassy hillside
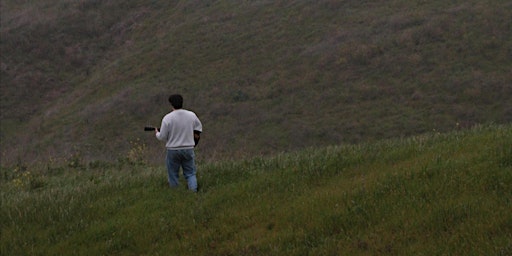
435, 194
83, 77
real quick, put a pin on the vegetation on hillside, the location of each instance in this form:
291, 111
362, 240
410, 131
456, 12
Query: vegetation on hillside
435, 194
83, 77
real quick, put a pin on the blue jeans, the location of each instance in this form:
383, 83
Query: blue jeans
181, 158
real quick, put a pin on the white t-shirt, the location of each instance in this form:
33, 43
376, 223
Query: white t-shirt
178, 128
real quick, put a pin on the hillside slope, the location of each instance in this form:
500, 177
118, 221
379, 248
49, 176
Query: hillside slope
435, 194
83, 77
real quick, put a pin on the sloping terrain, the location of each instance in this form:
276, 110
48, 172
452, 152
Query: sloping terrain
435, 194
80, 78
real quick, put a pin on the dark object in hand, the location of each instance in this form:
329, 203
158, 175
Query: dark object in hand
197, 136
149, 128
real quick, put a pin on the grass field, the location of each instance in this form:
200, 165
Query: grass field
434, 194
83, 77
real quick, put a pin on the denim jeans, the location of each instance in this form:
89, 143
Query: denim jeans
181, 158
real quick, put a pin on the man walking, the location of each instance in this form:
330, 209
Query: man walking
180, 130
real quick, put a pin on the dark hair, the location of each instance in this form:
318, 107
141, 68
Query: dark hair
176, 101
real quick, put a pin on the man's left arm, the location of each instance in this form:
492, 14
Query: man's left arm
198, 129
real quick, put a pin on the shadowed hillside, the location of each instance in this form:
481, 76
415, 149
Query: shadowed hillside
81, 78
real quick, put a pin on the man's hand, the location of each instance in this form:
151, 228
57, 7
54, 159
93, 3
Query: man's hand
197, 136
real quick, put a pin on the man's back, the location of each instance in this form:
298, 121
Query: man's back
177, 129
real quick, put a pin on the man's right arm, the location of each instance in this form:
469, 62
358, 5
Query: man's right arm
161, 134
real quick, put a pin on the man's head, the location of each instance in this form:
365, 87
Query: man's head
176, 101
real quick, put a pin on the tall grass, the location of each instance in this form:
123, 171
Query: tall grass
435, 194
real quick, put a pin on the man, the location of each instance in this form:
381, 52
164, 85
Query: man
181, 130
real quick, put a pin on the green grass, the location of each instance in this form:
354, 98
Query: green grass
434, 194
263, 76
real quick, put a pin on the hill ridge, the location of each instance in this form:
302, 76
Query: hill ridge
84, 77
